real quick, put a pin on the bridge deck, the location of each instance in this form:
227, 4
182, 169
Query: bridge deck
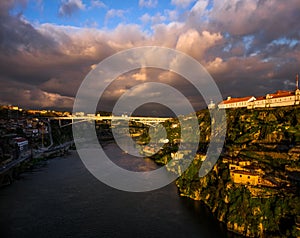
101, 118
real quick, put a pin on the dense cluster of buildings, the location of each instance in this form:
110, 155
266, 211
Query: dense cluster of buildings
19, 133
279, 99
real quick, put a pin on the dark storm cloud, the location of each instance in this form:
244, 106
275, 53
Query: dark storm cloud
21, 45
45, 58
16, 35
251, 16
250, 47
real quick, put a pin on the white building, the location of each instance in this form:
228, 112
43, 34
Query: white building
22, 143
236, 102
278, 99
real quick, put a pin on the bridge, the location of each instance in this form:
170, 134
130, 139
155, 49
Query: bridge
78, 119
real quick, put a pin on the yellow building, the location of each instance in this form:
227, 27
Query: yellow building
243, 177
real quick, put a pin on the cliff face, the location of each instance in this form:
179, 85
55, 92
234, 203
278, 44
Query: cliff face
272, 126
251, 211
262, 146
269, 141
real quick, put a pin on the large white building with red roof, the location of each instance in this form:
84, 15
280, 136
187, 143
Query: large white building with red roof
278, 99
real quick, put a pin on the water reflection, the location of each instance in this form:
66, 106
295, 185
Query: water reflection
127, 161
64, 200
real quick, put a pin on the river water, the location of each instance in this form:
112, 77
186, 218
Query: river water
62, 199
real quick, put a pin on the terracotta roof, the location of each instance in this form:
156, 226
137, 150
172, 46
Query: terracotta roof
280, 93
260, 98
234, 100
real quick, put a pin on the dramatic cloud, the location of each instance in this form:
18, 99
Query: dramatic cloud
270, 16
195, 44
23, 95
250, 47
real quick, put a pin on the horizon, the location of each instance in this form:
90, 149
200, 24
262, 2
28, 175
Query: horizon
142, 110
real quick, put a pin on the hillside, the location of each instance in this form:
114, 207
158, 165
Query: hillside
254, 187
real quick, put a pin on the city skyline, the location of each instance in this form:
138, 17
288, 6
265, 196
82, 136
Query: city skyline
250, 47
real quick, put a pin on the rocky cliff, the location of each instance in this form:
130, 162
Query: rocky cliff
269, 141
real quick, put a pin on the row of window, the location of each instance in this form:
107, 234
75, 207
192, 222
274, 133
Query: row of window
242, 176
260, 102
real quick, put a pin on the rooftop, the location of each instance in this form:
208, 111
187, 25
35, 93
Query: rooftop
234, 100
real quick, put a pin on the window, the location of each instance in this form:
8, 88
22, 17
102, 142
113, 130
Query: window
240, 176
248, 177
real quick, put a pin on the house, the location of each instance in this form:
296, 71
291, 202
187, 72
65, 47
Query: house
252, 178
22, 143
243, 172
244, 177
236, 102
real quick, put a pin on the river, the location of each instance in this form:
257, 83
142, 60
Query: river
62, 199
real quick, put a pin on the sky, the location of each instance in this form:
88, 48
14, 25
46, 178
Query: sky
250, 47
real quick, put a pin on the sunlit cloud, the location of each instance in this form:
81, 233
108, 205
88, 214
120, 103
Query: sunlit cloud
140, 76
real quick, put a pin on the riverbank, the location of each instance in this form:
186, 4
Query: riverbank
254, 187
28, 160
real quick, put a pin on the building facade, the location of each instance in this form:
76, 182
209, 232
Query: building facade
246, 178
279, 99
236, 102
